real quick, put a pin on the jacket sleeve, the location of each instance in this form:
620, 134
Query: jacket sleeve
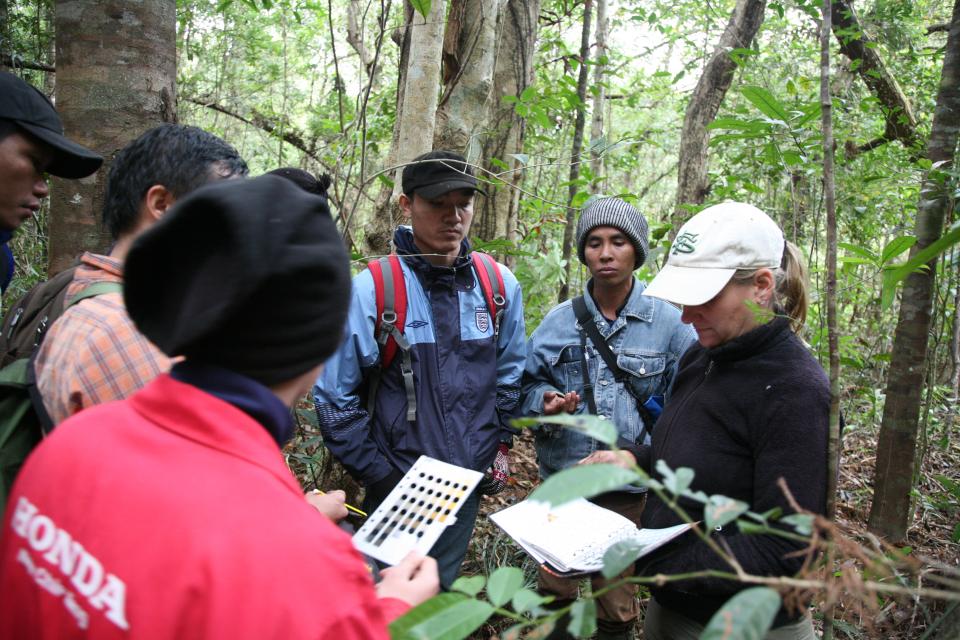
794, 447
538, 376
344, 422
511, 354
682, 339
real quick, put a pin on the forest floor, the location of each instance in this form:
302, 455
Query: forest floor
929, 538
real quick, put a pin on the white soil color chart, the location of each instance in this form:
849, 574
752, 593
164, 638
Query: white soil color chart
415, 513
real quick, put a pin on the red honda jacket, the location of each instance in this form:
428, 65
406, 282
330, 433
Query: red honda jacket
172, 515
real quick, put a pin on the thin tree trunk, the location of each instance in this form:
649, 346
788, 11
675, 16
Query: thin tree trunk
833, 446
891, 509
692, 186
599, 97
576, 148
116, 77
417, 97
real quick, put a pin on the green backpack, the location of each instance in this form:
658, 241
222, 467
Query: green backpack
23, 420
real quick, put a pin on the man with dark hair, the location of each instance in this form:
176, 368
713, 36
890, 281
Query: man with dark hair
93, 353
32, 145
451, 393
172, 514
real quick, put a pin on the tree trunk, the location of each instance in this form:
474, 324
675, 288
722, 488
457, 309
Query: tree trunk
576, 149
417, 90
856, 45
693, 186
469, 54
116, 78
497, 215
599, 97
891, 509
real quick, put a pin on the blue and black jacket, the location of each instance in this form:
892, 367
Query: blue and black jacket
467, 384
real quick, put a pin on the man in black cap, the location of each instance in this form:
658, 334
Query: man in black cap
455, 381
32, 145
172, 513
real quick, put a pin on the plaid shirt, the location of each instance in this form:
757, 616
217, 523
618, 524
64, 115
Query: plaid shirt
93, 353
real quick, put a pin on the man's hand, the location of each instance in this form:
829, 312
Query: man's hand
413, 580
333, 504
554, 403
623, 459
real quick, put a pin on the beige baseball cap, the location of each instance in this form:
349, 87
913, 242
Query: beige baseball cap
711, 247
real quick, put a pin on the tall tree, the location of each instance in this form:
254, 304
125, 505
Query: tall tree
599, 96
116, 77
417, 95
896, 451
576, 148
496, 215
693, 186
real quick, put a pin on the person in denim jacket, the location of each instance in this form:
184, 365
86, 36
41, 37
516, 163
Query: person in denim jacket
647, 337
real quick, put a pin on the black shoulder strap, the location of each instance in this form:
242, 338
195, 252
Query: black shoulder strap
588, 328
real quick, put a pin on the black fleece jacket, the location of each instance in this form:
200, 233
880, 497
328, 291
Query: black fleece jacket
741, 415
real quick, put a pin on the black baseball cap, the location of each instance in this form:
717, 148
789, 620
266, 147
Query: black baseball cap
438, 172
33, 112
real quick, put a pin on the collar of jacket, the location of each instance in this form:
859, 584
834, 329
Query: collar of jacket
459, 272
752, 342
637, 306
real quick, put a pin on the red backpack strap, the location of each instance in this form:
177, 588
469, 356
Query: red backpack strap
491, 282
391, 296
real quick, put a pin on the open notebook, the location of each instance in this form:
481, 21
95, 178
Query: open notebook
572, 538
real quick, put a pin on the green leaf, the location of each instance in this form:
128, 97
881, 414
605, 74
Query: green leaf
470, 585
598, 428
582, 481
676, 482
802, 523
720, 510
956, 533
764, 101
449, 615
895, 247
620, 556
746, 616
892, 277
526, 600
860, 251
503, 583
583, 618
750, 528
421, 6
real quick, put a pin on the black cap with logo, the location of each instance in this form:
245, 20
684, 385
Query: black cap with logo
32, 111
438, 172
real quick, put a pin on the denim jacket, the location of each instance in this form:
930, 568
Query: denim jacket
647, 338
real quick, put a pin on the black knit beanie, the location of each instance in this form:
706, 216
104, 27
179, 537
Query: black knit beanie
613, 212
249, 275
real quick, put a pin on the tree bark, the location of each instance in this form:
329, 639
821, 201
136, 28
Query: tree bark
576, 148
116, 77
890, 513
497, 215
417, 95
901, 124
599, 97
693, 186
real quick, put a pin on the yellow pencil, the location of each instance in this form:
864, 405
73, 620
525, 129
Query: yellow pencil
349, 507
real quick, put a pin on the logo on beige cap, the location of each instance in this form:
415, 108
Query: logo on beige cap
686, 242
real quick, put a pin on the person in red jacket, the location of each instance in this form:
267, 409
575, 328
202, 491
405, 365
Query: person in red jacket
171, 514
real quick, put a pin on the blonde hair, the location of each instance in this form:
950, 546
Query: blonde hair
790, 286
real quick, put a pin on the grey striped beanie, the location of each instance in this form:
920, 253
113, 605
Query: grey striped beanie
613, 212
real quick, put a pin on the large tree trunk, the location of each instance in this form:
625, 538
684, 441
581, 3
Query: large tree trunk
469, 53
496, 216
417, 96
576, 148
116, 78
891, 509
856, 45
693, 187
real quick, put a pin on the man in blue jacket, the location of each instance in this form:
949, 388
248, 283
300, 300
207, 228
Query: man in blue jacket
466, 367
565, 373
